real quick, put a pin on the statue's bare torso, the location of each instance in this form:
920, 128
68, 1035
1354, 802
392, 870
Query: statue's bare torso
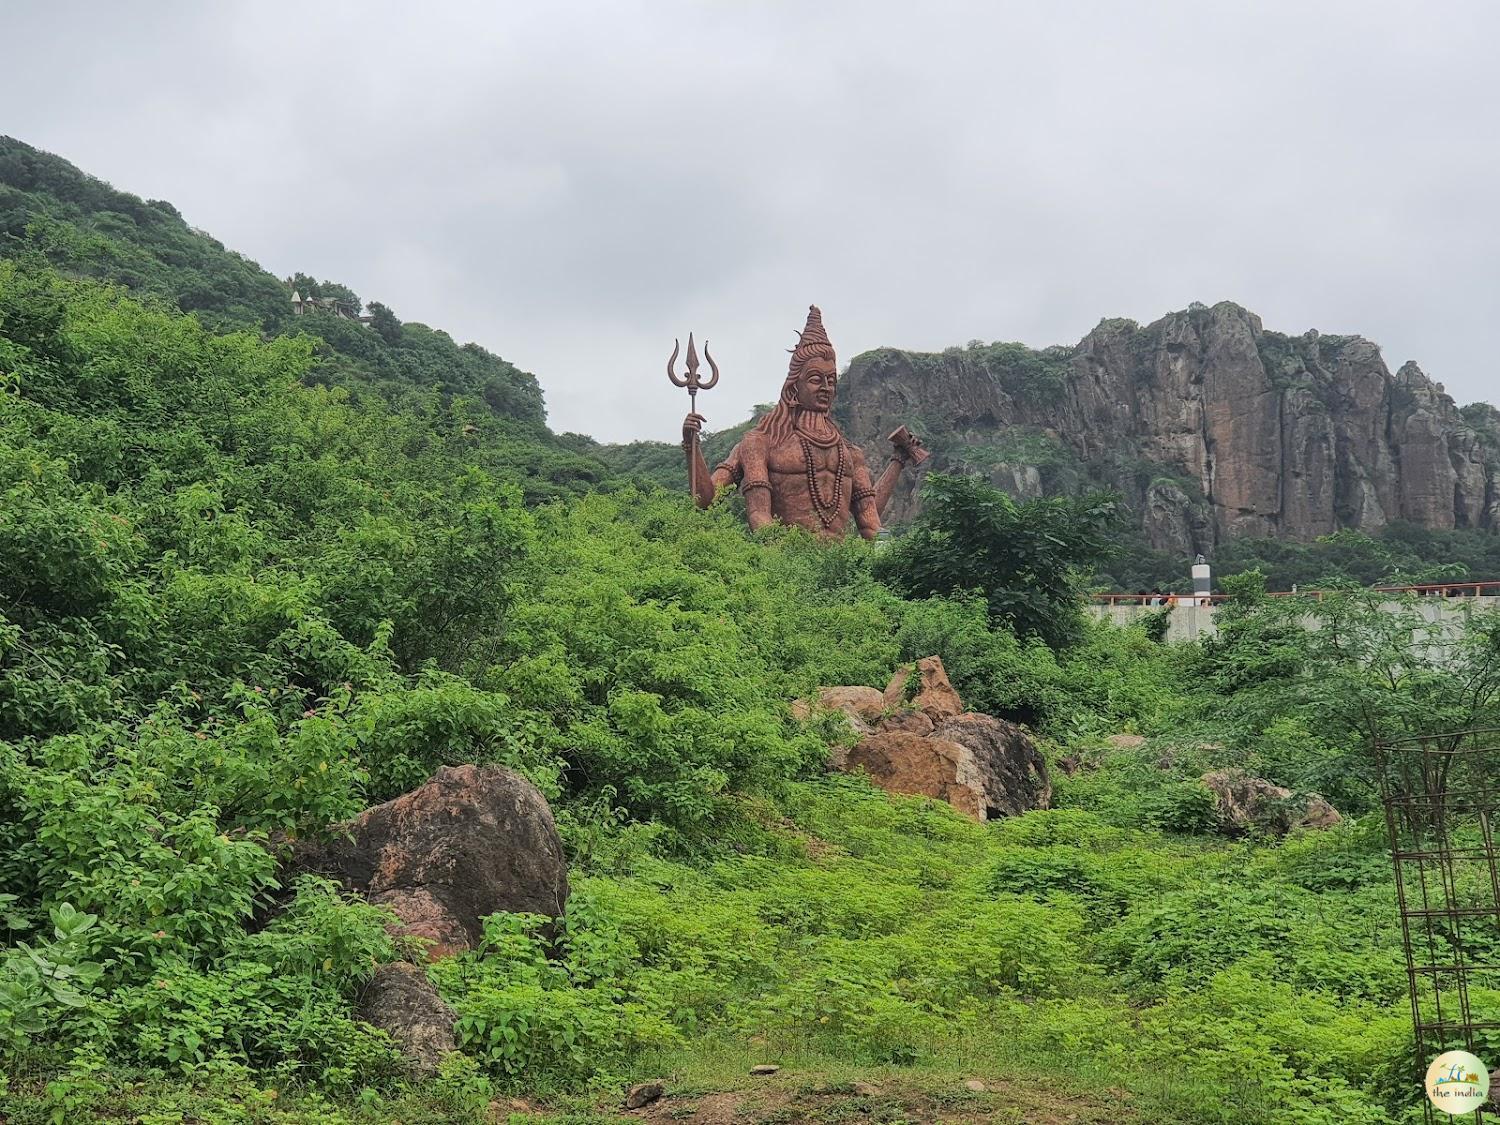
819, 484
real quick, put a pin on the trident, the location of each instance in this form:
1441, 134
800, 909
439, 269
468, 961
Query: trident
693, 385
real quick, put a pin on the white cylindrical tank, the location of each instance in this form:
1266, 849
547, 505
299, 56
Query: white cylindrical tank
1203, 581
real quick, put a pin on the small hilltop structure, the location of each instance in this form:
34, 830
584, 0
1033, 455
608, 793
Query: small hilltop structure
333, 306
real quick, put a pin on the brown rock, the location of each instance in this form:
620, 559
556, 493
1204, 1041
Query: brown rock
857, 702
764, 1068
402, 1002
1013, 774
643, 1093
895, 691
1126, 741
912, 722
423, 915
1244, 803
1318, 814
935, 696
472, 841
900, 762
974, 1086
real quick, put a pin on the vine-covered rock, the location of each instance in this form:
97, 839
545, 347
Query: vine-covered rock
1245, 803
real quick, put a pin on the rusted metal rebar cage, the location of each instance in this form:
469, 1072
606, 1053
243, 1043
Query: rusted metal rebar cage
1441, 794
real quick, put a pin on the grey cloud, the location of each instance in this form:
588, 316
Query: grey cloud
572, 185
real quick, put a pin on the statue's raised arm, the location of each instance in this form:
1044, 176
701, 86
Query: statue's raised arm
692, 425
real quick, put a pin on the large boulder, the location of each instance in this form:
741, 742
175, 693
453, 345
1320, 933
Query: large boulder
902, 762
1245, 803
470, 842
1012, 772
402, 1002
916, 738
933, 695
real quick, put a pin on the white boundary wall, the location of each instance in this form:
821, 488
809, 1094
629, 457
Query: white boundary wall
1191, 622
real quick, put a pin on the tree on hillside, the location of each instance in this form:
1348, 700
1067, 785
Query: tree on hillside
1025, 558
385, 324
1314, 683
348, 298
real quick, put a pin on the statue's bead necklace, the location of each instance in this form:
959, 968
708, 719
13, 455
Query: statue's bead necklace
827, 511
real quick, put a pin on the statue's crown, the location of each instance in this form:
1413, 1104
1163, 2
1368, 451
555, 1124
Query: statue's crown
811, 341
812, 333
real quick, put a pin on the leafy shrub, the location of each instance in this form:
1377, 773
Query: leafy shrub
37, 982
558, 1022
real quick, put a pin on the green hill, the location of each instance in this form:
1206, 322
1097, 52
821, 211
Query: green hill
86, 228
255, 579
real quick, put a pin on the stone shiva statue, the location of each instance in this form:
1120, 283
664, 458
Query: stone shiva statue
796, 466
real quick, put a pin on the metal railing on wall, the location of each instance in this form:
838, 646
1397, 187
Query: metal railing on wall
1440, 794
1431, 590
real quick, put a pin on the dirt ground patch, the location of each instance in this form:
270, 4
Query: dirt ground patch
787, 1099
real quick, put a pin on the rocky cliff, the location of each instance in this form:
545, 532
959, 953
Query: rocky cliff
1209, 425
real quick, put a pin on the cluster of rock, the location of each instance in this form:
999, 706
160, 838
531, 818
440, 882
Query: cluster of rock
1249, 432
916, 738
472, 841
1245, 803
477, 840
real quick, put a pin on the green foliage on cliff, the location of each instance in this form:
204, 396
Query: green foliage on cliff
1030, 375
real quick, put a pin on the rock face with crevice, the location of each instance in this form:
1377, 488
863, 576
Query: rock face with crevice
1013, 773
1209, 425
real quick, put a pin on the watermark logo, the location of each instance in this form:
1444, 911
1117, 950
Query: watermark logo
1457, 1082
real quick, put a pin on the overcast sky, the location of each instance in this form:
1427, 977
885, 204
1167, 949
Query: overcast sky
574, 185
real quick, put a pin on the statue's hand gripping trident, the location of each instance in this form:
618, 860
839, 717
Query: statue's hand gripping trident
693, 424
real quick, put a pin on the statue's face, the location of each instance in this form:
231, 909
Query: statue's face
816, 385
